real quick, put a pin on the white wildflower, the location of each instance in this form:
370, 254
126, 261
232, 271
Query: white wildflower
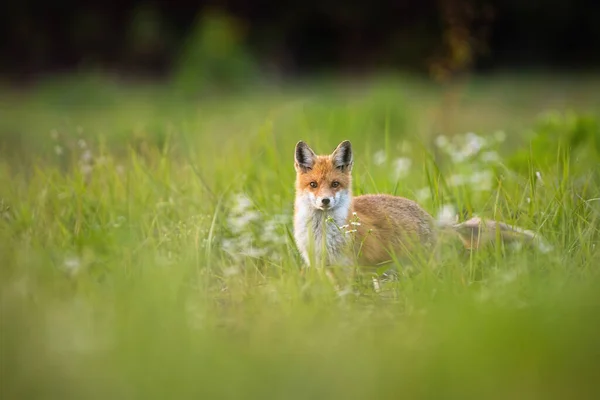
242, 203
227, 245
81, 143
423, 194
457, 156
355, 223
351, 231
401, 167
270, 234
239, 222
482, 180
379, 157
447, 215
253, 234
457, 180
255, 252
490, 156
72, 264
87, 156
58, 150
244, 241
538, 175
474, 143
442, 141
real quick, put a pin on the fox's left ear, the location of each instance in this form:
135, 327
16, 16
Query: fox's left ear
342, 156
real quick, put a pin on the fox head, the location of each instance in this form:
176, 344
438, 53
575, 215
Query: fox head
324, 182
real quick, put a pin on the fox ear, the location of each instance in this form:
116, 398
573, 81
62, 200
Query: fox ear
342, 156
304, 157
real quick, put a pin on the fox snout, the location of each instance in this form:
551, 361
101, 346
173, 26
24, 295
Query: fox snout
324, 202
331, 201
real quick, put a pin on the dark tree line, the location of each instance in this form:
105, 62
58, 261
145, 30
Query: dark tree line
302, 36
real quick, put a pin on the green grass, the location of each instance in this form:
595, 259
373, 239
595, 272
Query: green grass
146, 248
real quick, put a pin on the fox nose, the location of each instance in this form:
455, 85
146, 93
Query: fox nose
325, 201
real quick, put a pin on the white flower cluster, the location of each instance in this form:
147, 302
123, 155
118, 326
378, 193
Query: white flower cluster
351, 227
470, 146
400, 165
253, 234
86, 159
471, 156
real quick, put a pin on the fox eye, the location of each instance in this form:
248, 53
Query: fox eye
313, 184
335, 184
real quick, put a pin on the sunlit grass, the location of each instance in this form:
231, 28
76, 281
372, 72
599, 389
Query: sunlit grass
147, 249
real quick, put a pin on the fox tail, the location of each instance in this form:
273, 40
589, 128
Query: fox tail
477, 232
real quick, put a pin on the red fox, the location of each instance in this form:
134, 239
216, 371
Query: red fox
333, 228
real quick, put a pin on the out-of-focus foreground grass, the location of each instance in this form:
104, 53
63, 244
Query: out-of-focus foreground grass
146, 246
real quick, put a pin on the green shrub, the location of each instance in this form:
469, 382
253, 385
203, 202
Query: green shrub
214, 56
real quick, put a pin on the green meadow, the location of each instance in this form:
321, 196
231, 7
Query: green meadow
147, 251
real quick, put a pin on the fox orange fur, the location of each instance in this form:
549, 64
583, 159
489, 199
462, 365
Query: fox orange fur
332, 227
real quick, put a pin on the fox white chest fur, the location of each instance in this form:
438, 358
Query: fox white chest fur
317, 232
323, 204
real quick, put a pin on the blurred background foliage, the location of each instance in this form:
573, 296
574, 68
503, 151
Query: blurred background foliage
225, 42
214, 56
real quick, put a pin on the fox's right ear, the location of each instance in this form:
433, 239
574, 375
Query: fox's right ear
304, 157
